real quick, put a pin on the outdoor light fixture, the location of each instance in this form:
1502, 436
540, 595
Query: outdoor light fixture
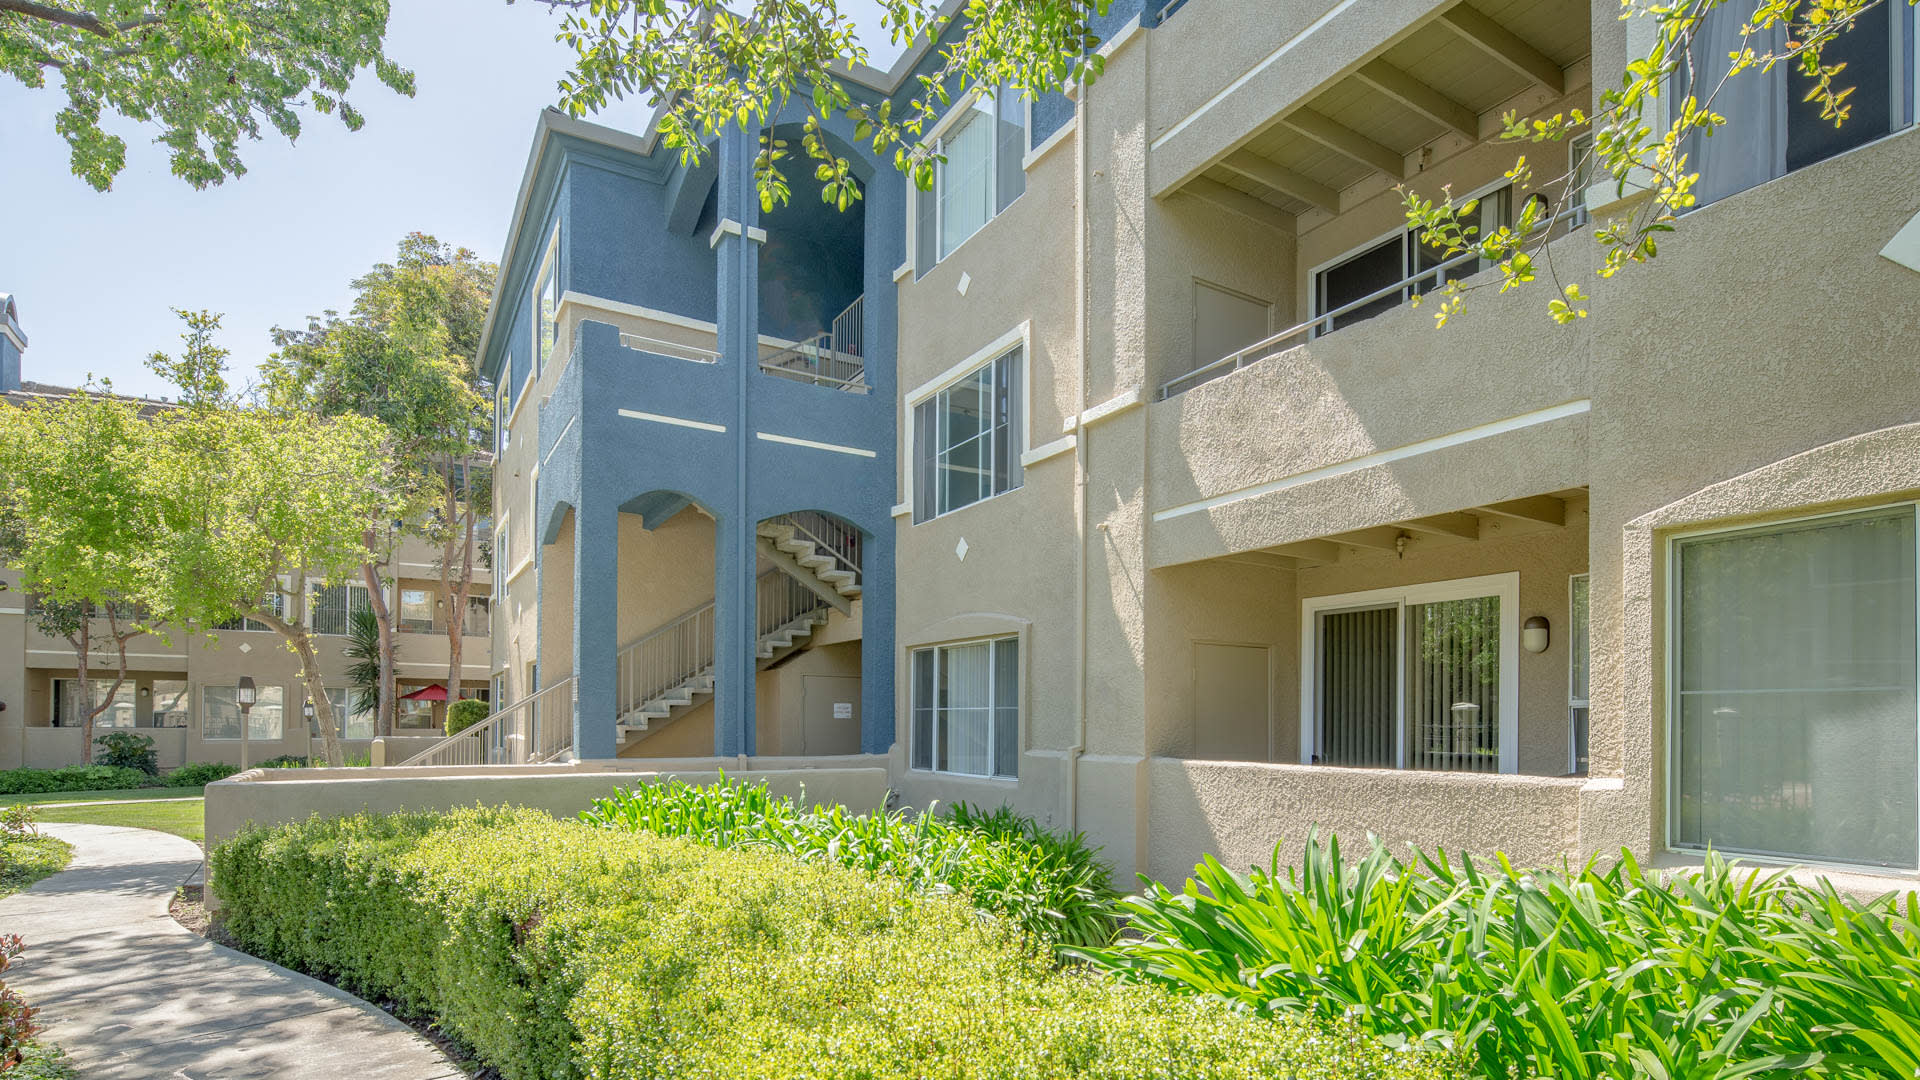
313, 726
243, 696
1534, 634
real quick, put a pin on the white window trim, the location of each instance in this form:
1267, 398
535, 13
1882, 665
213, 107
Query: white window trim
1670, 674
1022, 336
502, 549
549, 259
1573, 743
1505, 586
1020, 706
933, 138
1313, 274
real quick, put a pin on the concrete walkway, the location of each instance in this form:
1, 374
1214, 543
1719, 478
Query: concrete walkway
128, 992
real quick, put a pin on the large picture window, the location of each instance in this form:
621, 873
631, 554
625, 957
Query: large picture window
220, 714
983, 145
353, 711
1796, 721
966, 708
1771, 128
69, 712
967, 439
1417, 678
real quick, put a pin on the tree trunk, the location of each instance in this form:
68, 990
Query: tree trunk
383, 616
82, 647
294, 631
455, 586
120, 638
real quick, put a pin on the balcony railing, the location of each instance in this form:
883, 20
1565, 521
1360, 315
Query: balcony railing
532, 730
1324, 323
829, 535
833, 359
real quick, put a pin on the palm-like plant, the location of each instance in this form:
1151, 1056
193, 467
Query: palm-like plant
363, 649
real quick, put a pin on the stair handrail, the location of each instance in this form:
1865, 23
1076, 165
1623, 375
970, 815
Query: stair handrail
525, 732
829, 536
682, 648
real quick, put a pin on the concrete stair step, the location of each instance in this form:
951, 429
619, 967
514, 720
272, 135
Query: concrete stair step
836, 578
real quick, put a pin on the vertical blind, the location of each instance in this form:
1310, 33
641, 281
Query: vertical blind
1798, 723
966, 708
1358, 688
1453, 685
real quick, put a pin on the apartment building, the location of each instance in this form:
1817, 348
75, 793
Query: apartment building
180, 686
1177, 524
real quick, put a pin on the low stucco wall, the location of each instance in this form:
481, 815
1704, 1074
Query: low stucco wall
1239, 811
273, 796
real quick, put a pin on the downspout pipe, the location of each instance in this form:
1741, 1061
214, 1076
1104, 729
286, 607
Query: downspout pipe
1083, 333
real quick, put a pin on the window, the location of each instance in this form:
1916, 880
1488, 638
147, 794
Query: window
413, 715
332, 607
546, 304
353, 711
1579, 661
220, 714
983, 143
277, 603
416, 610
1417, 678
967, 440
966, 708
171, 705
479, 618
502, 556
499, 694
70, 711
1797, 723
1399, 260
503, 408
1771, 129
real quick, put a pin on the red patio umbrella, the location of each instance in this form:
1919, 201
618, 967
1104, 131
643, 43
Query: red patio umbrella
429, 692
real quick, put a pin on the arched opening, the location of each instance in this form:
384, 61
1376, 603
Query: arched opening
808, 619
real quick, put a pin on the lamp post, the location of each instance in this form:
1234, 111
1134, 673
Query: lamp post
243, 696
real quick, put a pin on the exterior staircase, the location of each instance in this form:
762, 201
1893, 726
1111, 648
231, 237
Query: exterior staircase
670, 671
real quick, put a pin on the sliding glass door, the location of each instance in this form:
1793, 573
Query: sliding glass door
1796, 718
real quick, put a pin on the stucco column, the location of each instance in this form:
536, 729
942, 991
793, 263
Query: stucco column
736, 241
596, 598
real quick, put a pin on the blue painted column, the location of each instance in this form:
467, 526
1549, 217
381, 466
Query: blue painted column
596, 596
737, 263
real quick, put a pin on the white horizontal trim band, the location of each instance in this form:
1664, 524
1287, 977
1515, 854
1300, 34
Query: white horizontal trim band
676, 421
1053, 449
558, 439
902, 509
68, 653
1271, 59
1112, 406
852, 451
1383, 457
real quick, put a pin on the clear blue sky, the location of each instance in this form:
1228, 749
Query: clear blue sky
96, 275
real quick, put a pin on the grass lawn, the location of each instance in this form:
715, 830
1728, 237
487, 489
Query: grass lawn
113, 795
26, 859
185, 817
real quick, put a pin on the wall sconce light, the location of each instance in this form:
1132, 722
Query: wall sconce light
1534, 634
146, 691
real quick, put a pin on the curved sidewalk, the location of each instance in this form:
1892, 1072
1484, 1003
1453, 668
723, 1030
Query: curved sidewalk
128, 992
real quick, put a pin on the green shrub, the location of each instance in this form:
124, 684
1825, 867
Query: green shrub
1053, 887
465, 713
199, 773
125, 750
282, 761
72, 778
556, 950
1600, 973
40, 1061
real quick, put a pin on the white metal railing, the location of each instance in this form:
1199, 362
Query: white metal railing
671, 349
681, 652
531, 730
832, 358
1323, 323
829, 535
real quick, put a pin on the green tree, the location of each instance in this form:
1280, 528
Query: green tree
73, 513
405, 356
257, 506
206, 74
1641, 141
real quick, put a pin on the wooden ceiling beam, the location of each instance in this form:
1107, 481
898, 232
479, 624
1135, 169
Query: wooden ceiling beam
1504, 46
1279, 178
1311, 551
1460, 526
1238, 202
1420, 97
1544, 509
1378, 538
1347, 142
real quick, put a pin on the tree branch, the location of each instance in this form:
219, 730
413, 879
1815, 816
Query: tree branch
79, 20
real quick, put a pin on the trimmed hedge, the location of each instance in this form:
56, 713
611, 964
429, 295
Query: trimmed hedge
557, 950
199, 773
73, 778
